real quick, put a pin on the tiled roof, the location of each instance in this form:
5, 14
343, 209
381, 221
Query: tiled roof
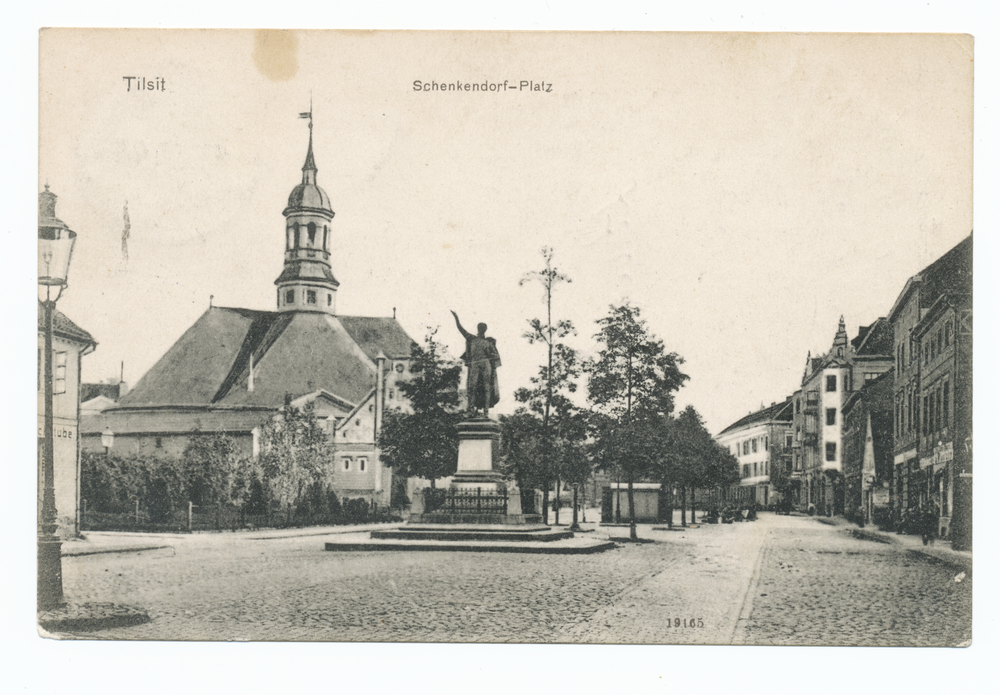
88, 391
63, 327
292, 353
375, 333
779, 411
876, 339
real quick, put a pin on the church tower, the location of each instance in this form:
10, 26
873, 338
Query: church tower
307, 283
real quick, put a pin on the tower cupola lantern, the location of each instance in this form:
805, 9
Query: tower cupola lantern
307, 283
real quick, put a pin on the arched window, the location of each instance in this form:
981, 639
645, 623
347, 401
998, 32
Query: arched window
293, 239
311, 229
326, 238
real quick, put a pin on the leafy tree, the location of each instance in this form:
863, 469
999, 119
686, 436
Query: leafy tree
295, 453
556, 376
424, 442
632, 382
211, 466
521, 443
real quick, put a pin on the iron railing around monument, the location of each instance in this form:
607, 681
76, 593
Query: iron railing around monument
465, 501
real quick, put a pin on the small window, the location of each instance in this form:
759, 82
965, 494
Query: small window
788, 441
329, 299
765, 443
944, 404
831, 383
326, 237
59, 373
947, 334
347, 464
399, 367
831, 451
753, 446
311, 229
362, 461
310, 296
831, 416
392, 395
290, 297
159, 442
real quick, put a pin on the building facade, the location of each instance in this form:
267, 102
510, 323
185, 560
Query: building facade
235, 369
867, 444
69, 345
827, 382
932, 393
761, 443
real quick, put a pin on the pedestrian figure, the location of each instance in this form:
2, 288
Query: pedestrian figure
928, 525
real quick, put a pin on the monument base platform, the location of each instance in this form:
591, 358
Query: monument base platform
474, 532
477, 540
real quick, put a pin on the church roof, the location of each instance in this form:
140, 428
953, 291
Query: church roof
292, 353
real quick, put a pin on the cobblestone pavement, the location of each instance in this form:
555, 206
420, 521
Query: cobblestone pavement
780, 580
820, 585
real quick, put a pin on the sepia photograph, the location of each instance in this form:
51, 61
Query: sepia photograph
565, 338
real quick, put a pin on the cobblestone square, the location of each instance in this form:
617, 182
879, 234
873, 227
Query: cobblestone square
778, 581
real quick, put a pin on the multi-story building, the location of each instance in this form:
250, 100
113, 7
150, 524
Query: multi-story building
924, 447
827, 382
867, 446
761, 442
69, 344
235, 369
944, 348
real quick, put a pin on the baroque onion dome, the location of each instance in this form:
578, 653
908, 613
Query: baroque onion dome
307, 283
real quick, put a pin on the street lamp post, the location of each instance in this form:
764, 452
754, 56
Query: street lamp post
55, 247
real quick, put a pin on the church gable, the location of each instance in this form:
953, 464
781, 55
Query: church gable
313, 352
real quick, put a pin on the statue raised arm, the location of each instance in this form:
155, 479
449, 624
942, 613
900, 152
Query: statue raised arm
482, 359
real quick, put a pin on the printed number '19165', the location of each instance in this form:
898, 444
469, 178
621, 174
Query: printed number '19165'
686, 622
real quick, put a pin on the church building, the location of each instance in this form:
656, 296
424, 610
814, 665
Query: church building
234, 369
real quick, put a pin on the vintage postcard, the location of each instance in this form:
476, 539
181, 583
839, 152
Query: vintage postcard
559, 337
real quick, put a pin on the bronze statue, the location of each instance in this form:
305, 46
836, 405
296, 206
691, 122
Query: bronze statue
482, 359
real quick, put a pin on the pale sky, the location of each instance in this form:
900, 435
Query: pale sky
744, 191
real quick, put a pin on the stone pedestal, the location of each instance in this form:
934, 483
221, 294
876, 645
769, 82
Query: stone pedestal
478, 448
479, 496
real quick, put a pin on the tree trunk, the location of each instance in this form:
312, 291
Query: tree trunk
545, 505
684, 506
693, 520
670, 508
558, 500
575, 526
631, 511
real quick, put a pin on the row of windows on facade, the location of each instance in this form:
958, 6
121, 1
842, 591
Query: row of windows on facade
750, 445
747, 469
812, 397
311, 297
361, 461
930, 412
932, 346
294, 239
58, 372
830, 455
